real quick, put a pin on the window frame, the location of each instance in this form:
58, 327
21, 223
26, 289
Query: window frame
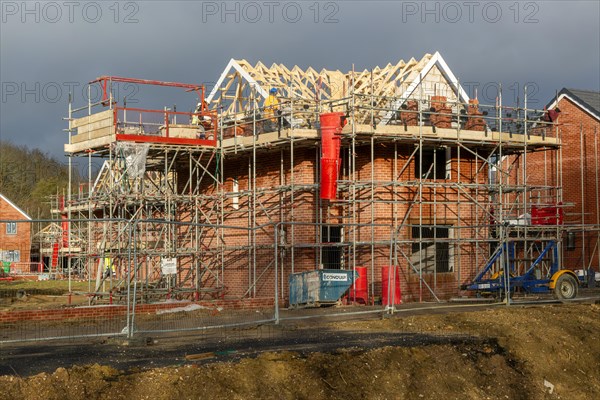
441, 158
235, 189
435, 231
11, 255
332, 257
11, 228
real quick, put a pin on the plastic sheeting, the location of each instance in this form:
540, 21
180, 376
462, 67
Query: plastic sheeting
135, 155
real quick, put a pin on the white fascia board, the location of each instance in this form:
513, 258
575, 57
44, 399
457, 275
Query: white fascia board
13, 205
463, 96
563, 95
233, 64
213, 92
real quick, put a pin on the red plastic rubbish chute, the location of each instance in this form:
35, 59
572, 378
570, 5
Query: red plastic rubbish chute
331, 128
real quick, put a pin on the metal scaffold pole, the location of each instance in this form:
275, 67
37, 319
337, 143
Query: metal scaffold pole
597, 187
582, 183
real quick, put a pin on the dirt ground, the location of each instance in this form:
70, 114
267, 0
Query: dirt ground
31, 294
23, 294
521, 352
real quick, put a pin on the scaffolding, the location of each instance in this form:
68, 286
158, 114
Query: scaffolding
429, 180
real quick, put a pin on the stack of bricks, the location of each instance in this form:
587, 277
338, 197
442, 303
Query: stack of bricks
410, 113
474, 120
234, 131
441, 116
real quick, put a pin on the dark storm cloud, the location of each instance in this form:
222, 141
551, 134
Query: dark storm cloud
43, 54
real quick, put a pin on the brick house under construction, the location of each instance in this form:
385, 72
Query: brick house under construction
413, 173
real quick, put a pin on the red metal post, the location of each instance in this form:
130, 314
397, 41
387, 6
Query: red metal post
166, 124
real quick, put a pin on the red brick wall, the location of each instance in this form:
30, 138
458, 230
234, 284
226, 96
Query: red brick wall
574, 123
22, 240
275, 207
111, 311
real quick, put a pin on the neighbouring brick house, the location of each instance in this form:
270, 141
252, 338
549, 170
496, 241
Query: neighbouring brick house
579, 130
15, 237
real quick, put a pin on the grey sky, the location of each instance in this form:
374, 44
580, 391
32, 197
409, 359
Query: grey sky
552, 44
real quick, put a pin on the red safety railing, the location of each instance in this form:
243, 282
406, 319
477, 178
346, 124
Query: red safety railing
161, 126
165, 126
107, 81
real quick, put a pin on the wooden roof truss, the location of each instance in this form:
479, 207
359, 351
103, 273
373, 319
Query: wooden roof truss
243, 87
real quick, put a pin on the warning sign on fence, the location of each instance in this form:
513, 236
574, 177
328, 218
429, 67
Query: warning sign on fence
168, 266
